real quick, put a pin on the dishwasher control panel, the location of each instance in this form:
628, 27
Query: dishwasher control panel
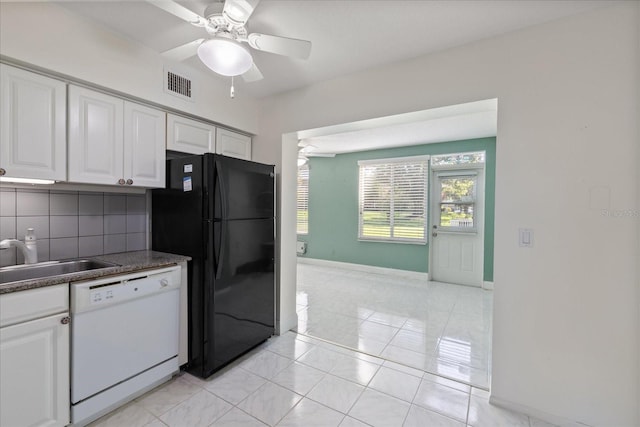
92, 294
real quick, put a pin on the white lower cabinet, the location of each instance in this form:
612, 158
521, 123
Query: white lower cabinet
34, 361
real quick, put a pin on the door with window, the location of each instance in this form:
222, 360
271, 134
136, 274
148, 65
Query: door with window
457, 218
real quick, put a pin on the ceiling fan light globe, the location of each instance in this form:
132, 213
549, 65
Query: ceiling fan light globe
225, 56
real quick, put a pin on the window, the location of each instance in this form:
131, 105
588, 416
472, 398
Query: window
303, 200
455, 189
457, 159
392, 203
457, 201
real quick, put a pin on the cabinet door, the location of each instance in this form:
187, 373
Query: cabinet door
33, 125
95, 137
233, 144
190, 136
34, 367
144, 141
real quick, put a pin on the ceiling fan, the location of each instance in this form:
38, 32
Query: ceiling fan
224, 52
307, 150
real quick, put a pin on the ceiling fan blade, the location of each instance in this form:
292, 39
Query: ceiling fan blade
320, 154
252, 75
280, 45
239, 11
183, 52
179, 11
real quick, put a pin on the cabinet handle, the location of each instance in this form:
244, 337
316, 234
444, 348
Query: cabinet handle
129, 181
65, 320
121, 181
2, 171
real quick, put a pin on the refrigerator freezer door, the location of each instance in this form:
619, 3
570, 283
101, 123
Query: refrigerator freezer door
244, 287
243, 189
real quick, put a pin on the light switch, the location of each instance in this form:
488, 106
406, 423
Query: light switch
525, 237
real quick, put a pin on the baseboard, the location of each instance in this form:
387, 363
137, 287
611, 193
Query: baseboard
365, 268
487, 286
536, 413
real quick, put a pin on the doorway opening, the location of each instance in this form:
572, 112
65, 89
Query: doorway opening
379, 297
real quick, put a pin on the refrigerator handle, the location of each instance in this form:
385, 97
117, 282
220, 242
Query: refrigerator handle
222, 190
221, 239
211, 234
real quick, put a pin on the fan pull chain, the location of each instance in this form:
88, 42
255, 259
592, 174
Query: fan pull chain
232, 93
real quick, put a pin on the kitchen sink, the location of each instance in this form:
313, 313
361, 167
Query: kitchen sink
18, 273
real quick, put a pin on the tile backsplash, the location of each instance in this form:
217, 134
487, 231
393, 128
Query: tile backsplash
71, 224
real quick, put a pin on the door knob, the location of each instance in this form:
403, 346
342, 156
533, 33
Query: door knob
129, 181
121, 181
434, 234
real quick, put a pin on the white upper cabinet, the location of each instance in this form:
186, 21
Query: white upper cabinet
233, 144
144, 139
194, 137
114, 142
32, 125
95, 137
190, 136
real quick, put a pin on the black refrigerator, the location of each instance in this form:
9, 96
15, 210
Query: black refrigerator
220, 211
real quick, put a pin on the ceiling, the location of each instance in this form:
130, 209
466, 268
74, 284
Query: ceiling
451, 123
347, 35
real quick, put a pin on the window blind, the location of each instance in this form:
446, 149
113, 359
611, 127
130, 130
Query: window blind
392, 205
302, 226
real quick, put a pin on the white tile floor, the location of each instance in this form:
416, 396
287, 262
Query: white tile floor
423, 359
294, 380
435, 327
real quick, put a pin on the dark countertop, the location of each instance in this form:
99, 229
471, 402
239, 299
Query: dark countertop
128, 262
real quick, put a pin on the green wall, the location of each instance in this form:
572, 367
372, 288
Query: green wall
333, 209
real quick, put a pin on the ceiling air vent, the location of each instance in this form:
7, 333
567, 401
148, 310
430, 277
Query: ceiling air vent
178, 85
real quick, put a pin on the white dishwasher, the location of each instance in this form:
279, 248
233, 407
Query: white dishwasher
124, 339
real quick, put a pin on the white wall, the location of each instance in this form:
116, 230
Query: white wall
566, 318
566, 323
49, 36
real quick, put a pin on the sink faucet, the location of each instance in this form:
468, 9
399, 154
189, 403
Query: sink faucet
29, 248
